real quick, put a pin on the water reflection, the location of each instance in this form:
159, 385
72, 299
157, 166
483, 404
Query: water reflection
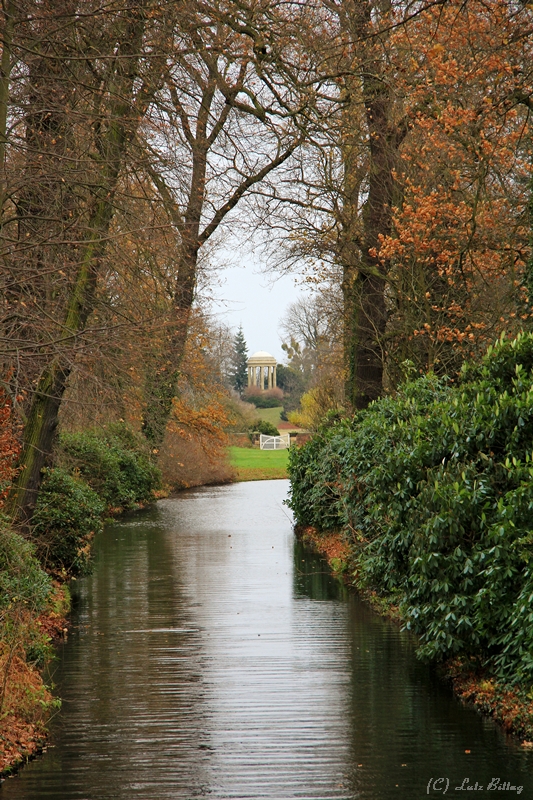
212, 656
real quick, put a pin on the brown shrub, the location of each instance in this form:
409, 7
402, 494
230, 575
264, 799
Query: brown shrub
255, 391
185, 463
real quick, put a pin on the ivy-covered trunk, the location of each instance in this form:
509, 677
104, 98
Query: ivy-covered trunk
364, 280
41, 421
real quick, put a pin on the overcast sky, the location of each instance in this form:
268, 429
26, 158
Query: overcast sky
255, 300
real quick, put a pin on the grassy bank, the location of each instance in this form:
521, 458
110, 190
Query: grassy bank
271, 415
251, 464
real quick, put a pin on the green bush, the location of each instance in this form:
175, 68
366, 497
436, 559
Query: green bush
67, 516
263, 401
115, 463
22, 581
267, 398
24, 593
434, 489
264, 427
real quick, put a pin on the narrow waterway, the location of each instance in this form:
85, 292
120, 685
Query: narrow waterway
212, 656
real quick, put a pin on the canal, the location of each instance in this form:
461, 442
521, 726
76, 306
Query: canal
212, 656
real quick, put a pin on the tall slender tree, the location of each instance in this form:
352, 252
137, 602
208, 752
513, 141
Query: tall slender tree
239, 362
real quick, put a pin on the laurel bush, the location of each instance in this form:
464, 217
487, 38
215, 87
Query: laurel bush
434, 490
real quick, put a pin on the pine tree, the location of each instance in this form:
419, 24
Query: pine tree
239, 362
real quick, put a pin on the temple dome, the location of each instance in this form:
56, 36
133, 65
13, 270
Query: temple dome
262, 357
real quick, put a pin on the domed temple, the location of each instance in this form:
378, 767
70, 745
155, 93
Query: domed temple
261, 368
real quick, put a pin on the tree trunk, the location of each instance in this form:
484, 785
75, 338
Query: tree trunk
42, 417
162, 379
365, 277
5, 72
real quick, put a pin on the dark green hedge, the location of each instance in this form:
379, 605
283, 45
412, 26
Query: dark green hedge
264, 401
67, 516
96, 472
115, 463
434, 489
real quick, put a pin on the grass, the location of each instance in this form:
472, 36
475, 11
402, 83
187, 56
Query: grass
252, 464
270, 414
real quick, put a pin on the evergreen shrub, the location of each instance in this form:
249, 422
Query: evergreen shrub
264, 427
115, 463
434, 490
269, 398
67, 516
262, 401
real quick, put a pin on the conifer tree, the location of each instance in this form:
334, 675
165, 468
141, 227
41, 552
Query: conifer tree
239, 362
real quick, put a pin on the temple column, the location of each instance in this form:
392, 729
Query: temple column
275, 377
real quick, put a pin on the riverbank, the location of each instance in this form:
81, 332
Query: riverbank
512, 708
27, 703
432, 489
97, 475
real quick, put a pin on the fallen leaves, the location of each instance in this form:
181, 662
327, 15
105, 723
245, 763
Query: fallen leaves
26, 711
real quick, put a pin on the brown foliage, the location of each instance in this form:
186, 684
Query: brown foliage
9, 444
458, 247
185, 461
508, 706
193, 451
25, 713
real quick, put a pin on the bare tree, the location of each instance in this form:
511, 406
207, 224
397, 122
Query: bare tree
218, 129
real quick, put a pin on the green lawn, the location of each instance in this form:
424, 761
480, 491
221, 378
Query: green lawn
252, 464
270, 414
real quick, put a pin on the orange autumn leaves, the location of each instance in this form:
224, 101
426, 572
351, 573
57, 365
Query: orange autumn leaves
459, 245
9, 445
199, 410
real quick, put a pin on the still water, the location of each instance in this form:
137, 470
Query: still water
212, 656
